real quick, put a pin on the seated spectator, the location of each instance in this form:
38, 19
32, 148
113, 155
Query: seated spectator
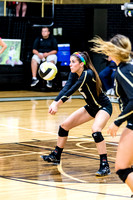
24, 8
44, 49
107, 77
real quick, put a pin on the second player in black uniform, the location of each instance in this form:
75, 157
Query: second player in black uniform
119, 49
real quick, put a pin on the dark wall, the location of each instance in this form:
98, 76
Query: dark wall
118, 23
79, 24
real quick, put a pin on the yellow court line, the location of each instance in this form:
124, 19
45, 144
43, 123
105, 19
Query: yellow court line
79, 145
60, 169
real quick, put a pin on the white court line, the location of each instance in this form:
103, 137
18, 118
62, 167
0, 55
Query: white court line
24, 154
27, 129
51, 133
35, 98
13, 150
32, 130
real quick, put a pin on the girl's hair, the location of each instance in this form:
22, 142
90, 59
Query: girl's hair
118, 47
88, 65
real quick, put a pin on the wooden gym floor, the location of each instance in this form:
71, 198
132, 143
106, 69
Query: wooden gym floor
28, 131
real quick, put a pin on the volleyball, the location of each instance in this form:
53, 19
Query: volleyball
47, 71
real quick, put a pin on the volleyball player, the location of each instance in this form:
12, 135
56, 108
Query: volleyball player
119, 49
83, 77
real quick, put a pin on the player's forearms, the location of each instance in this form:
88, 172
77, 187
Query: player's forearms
59, 103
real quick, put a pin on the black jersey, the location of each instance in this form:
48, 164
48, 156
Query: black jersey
45, 45
86, 84
124, 90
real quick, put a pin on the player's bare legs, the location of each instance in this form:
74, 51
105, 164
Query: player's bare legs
124, 157
77, 118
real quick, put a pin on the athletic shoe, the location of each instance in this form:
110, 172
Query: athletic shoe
112, 92
49, 84
104, 170
51, 158
34, 82
108, 92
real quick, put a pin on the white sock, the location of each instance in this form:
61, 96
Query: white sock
34, 78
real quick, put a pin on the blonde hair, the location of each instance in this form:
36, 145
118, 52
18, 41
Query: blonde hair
118, 47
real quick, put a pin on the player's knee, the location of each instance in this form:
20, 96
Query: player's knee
97, 136
62, 132
123, 173
95, 128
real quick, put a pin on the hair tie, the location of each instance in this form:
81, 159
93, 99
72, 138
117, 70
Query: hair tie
81, 57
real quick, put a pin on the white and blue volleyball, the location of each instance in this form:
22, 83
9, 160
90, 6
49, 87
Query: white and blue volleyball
47, 71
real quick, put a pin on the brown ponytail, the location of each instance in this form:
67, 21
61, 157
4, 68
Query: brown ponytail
89, 65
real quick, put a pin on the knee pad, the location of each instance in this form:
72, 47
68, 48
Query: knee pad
62, 132
97, 137
123, 173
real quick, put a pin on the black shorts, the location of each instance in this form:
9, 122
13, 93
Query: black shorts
93, 111
130, 124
